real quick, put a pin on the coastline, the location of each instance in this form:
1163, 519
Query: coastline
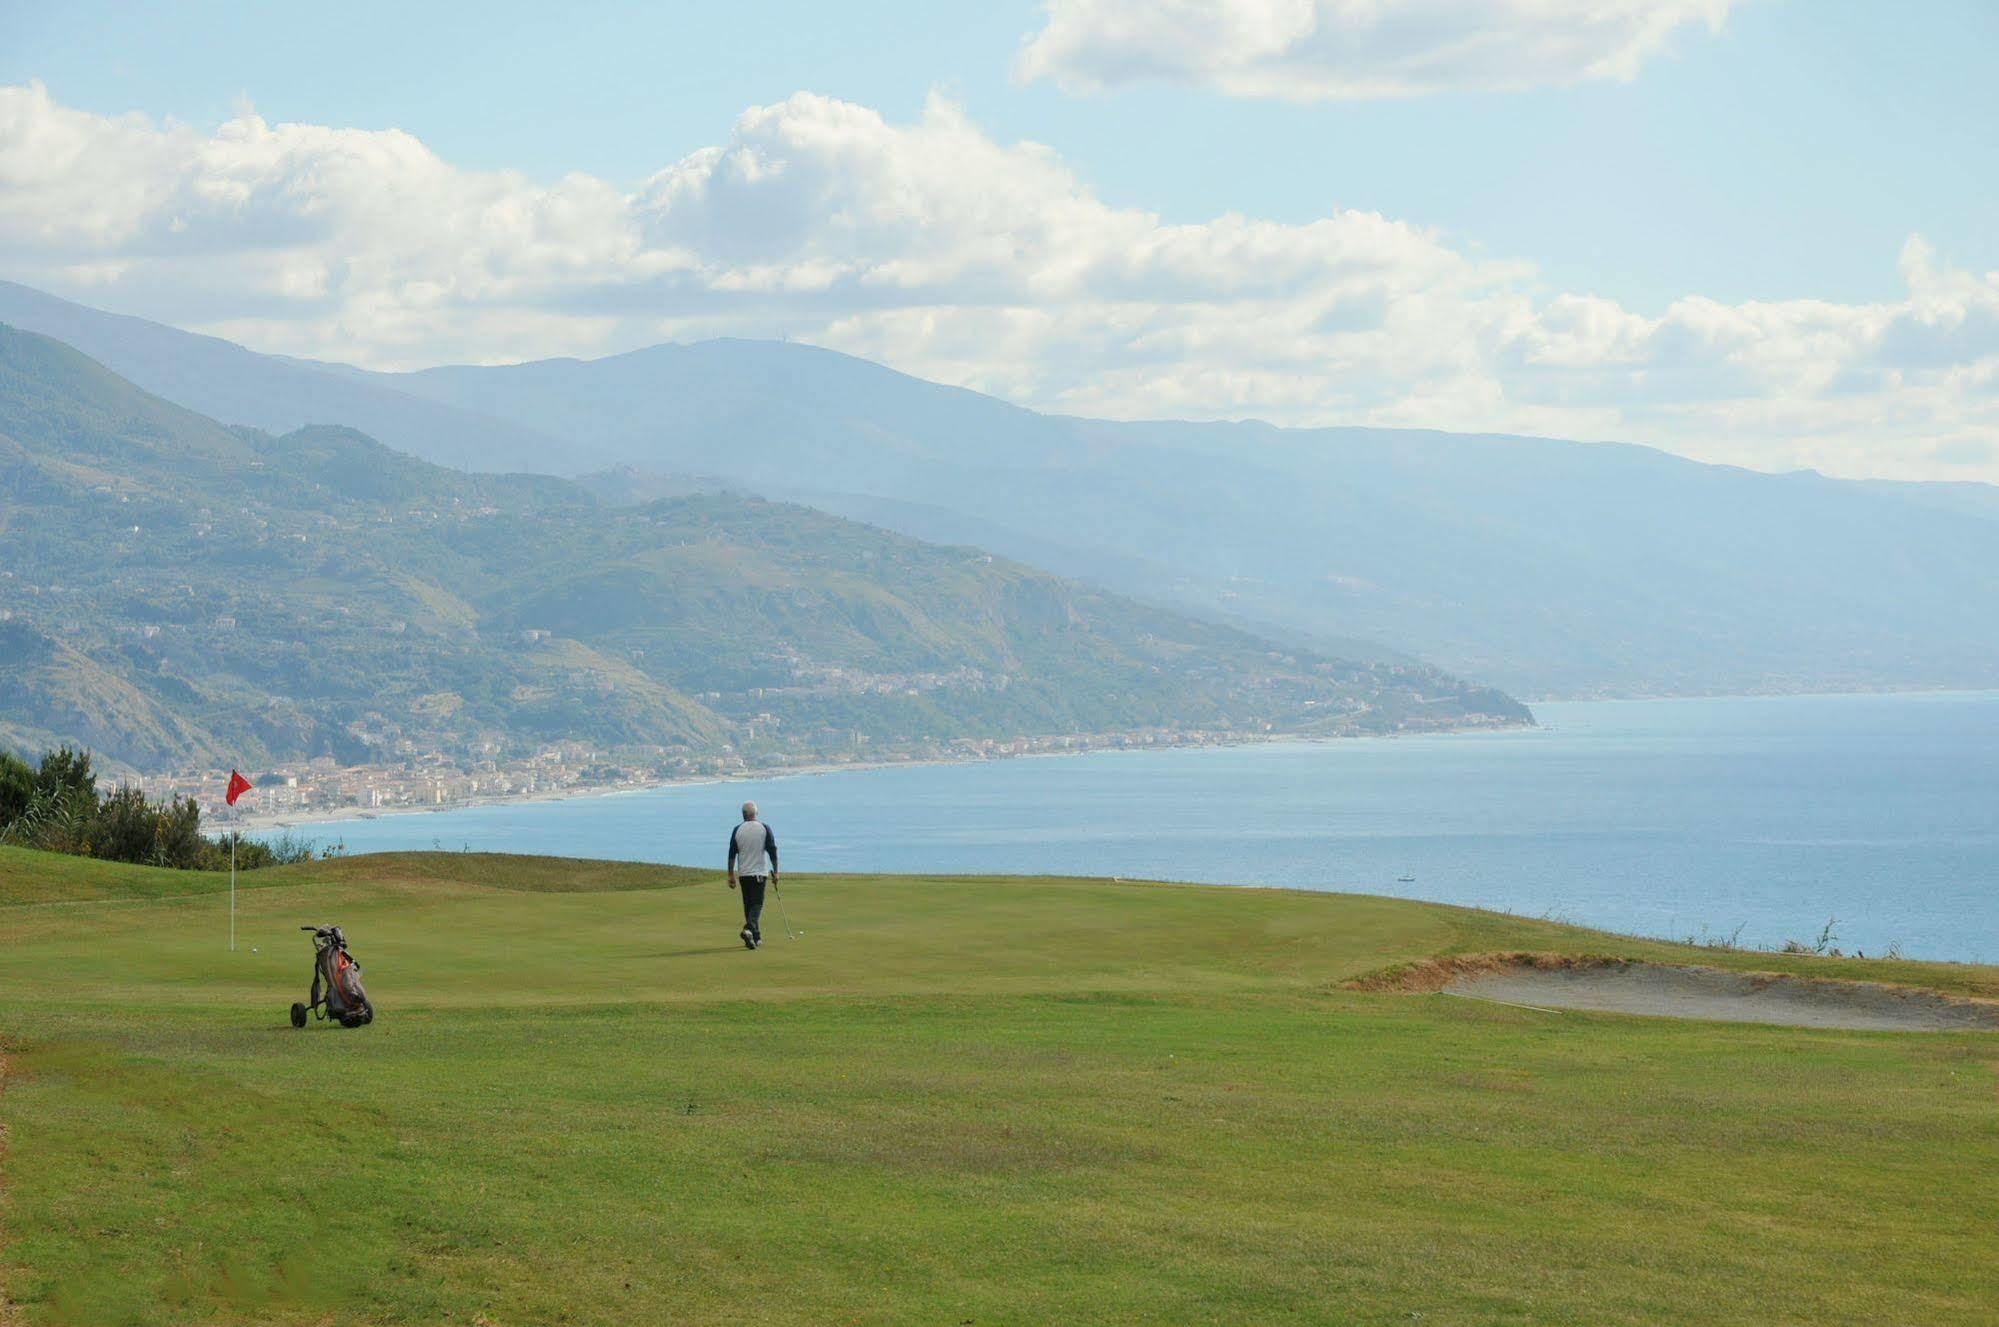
278, 821
269, 822
266, 821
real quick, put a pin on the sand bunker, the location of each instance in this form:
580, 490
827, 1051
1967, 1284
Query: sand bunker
1736, 997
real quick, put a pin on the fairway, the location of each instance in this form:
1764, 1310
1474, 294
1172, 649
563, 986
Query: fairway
949, 1101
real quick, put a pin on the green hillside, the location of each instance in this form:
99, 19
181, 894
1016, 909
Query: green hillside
180, 593
951, 1100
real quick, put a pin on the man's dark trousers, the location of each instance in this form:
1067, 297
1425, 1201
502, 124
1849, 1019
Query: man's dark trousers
753, 902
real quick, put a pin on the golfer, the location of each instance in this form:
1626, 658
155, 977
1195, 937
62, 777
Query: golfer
753, 862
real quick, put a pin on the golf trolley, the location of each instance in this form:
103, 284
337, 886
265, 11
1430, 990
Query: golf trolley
334, 971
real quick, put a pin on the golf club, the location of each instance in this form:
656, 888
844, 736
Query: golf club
780, 908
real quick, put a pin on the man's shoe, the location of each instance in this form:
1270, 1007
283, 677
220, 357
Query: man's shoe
749, 938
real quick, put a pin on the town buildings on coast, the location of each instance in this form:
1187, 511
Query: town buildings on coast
323, 787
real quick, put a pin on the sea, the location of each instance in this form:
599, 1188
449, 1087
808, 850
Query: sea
1867, 823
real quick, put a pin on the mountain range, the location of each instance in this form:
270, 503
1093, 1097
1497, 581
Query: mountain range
177, 593
1549, 568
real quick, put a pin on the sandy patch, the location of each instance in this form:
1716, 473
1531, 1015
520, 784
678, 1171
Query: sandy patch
1665, 991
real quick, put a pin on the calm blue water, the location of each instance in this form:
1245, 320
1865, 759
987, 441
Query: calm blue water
1658, 817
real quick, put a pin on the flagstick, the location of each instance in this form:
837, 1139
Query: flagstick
232, 891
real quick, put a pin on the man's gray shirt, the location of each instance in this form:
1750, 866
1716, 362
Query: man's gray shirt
753, 849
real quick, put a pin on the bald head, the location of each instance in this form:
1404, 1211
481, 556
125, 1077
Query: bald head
749, 810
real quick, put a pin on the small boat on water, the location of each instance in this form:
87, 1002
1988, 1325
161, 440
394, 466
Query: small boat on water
1405, 879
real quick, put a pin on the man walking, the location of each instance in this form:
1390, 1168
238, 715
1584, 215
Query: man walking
753, 863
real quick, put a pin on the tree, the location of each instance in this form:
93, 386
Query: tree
66, 771
178, 836
125, 828
17, 787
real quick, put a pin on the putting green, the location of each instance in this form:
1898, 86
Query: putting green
988, 1101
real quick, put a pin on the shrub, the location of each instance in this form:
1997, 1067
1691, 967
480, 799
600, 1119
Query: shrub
56, 821
55, 807
125, 828
17, 787
288, 849
255, 854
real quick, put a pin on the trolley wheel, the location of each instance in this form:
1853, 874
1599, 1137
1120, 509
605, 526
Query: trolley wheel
298, 1015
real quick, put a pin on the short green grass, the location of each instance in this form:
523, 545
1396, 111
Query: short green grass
950, 1101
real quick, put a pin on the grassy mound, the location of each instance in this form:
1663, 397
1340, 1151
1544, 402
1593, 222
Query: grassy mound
951, 1100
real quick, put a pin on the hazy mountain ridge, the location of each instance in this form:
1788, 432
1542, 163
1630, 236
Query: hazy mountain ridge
223, 380
1547, 567
1149, 578
177, 591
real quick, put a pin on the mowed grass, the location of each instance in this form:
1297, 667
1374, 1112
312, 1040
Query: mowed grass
950, 1101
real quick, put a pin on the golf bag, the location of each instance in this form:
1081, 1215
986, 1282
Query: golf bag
337, 994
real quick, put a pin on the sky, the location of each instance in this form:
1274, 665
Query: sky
1760, 232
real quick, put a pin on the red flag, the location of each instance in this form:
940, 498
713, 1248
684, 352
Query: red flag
238, 785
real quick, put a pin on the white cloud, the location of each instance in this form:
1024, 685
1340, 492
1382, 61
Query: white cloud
1312, 50
933, 248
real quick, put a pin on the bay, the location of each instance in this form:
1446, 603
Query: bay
1758, 818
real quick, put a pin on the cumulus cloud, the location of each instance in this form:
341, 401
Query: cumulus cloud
933, 248
1314, 50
